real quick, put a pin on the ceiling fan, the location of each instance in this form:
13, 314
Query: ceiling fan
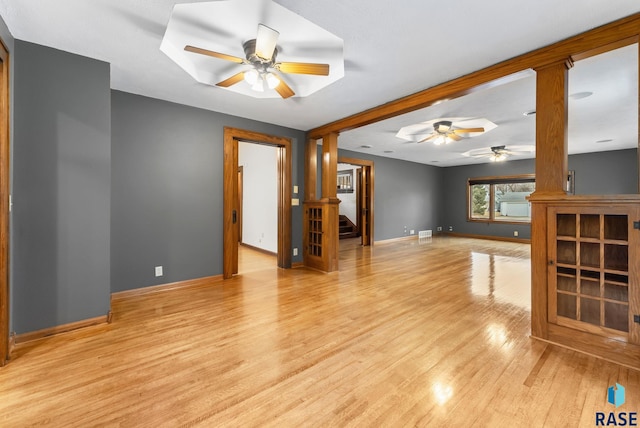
444, 132
501, 153
261, 55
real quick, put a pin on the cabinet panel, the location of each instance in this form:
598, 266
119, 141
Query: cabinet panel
590, 226
593, 270
567, 306
566, 251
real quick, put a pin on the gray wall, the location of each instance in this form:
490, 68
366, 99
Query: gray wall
455, 200
606, 173
406, 194
61, 188
602, 173
167, 193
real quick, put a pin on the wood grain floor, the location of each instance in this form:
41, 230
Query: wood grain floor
407, 333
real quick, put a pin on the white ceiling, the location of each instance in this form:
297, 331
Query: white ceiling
391, 49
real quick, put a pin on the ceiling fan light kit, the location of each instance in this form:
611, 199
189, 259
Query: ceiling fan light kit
318, 54
445, 131
500, 153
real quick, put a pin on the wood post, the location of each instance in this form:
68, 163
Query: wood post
330, 166
551, 128
310, 170
551, 178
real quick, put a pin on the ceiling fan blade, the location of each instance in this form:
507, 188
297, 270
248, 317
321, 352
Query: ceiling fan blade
266, 42
468, 130
453, 136
516, 153
283, 89
207, 52
231, 80
430, 137
303, 68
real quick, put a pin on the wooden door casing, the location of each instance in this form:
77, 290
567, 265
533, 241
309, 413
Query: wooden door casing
4, 204
232, 136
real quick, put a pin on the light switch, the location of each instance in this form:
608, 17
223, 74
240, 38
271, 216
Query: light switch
295, 202
295, 189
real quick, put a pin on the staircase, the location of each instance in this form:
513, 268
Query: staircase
347, 229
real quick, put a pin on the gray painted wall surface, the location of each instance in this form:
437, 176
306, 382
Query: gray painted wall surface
406, 194
603, 173
455, 198
606, 173
60, 256
167, 189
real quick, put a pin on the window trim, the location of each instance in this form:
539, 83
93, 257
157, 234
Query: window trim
491, 181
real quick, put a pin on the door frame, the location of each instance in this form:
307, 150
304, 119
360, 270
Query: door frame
4, 204
232, 136
240, 200
367, 167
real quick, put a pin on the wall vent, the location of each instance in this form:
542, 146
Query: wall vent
424, 234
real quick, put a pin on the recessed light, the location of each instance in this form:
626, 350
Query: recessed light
435, 161
366, 146
388, 151
581, 95
529, 113
604, 141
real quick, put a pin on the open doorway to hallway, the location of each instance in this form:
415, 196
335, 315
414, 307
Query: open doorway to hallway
348, 193
257, 206
355, 191
231, 208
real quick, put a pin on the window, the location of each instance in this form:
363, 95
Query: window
500, 199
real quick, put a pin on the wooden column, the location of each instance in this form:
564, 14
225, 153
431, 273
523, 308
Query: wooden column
330, 165
551, 178
310, 170
330, 195
551, 128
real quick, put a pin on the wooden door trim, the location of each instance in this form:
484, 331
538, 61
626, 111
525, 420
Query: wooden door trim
370, 165
4, 204
240, 200
358, 181
232, 136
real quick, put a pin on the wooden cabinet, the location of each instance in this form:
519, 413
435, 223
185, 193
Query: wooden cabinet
592, 270
320, 241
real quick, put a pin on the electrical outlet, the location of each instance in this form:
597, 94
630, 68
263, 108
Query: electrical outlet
439, 229
515, 233
295, 251
412, 232
450, 228
159, 271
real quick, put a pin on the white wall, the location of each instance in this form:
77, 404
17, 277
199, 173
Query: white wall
260, 195
348, 204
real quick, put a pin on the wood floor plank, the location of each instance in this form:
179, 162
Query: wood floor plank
407, 333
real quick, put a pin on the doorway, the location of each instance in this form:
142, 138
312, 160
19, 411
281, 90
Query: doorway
232, 137
257, 199
364, 191
4, 204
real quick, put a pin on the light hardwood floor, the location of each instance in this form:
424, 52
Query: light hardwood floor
407, 333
